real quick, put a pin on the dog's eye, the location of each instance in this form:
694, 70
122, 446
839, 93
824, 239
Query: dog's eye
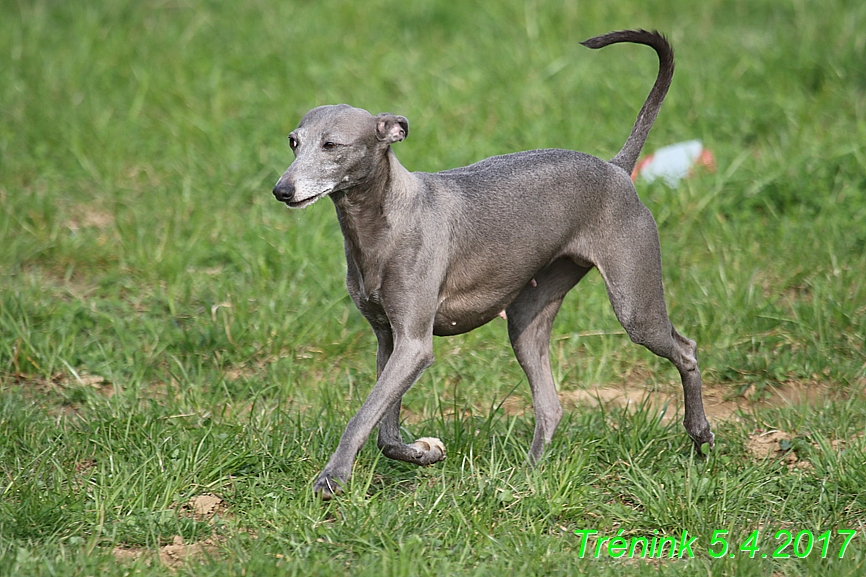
329, 145
293, 142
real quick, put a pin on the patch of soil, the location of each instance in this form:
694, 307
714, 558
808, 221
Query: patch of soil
201, 508
89, 217
173, 555
58, 394
177, 553
780, 445
61, 381
719, 404
204, 507
774, 445
85, 466
96, 382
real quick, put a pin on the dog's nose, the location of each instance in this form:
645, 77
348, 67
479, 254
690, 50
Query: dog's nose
284, 191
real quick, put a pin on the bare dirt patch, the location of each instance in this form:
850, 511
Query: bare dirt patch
723, 404
720, 403
89, 217
775, 445
61, 381
178, 553
201, 508
790, 448
173, 555
205, 507
767, 444
58, 394
96, 382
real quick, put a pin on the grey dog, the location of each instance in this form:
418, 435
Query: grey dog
444, 253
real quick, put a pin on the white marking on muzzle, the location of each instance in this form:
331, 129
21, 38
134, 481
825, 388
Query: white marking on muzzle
309, 191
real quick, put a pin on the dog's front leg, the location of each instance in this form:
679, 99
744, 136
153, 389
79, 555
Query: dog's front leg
424, 451
409, 358
389, 426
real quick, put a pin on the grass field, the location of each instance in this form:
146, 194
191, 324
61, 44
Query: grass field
178, 354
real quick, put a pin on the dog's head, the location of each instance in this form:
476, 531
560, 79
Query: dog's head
336, 148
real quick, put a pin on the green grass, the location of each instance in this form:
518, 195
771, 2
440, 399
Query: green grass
168, 330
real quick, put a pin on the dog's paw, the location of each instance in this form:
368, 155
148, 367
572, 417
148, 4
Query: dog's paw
431, 450
704, 442
708, 445
326, 486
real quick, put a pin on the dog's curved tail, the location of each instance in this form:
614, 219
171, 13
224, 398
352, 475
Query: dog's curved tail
627, 156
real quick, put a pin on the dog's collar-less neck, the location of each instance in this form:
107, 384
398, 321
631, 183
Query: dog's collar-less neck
364, 209
362, 214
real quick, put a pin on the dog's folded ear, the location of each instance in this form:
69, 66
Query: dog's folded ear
391, 128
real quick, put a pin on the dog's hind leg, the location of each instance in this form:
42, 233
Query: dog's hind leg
530, 318
631, 268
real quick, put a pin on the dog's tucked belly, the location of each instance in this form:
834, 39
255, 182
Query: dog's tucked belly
464, 311
455, 322
471, 300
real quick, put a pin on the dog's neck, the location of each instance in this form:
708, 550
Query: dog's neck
363, 212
